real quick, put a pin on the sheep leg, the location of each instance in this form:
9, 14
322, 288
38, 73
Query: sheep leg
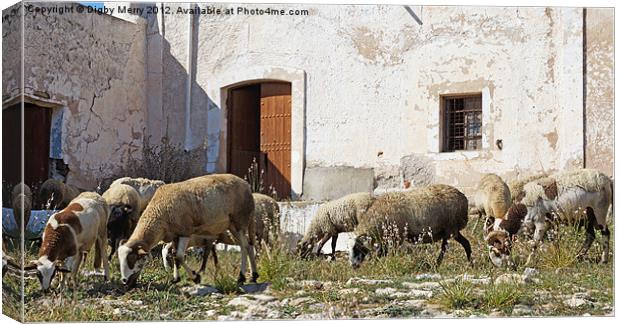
322, 242
334, 240
180, 259
444, 247
165, 252
606, 234
113, 246
243, 243
75, 270
590, 235
465, 244
106, 266
208, 248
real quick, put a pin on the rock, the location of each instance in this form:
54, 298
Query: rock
349, 291
135, 302
274, 314
199, 290
241, 301
520, 310
427, 285
509, 278
428, 276
577, 300
311, 284
300, 293
316, 316
415, 303
117, 311
300, 301
496, 314
211, 312
262, 298
370, 282
416, 293
254, 288
530, 272
385, 291
476, 281
586, 315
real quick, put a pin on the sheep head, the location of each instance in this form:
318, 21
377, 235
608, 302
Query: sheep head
500, 245
45, 270
358, 249
132, 257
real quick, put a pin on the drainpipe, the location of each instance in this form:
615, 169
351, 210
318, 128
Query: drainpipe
188, 85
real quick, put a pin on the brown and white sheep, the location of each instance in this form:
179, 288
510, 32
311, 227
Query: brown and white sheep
422, 215
124, 203
267, 218
68, 235
203, 206
574, 196
146, 188
332, 218
57, 194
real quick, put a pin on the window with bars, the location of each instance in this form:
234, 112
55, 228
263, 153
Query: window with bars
462, 123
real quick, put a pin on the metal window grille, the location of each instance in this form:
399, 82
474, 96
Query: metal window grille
462, 123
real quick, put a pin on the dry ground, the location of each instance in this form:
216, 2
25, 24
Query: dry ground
403, 284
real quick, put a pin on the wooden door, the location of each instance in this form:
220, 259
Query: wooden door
36, 144
275, 135
243, 128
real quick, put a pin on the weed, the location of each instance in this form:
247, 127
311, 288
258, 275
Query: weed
226, 284
457, 294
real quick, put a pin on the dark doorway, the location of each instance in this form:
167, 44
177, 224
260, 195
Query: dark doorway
260, 128
36, 144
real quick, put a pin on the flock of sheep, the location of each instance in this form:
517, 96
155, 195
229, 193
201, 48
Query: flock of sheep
134, 215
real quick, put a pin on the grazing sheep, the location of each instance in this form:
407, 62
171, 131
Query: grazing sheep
334, 217
145, 187
426, 215
21, 197
204, 206
580, 196
124, 203
492, 198
68, 235
57, 194
516, 186
267, 228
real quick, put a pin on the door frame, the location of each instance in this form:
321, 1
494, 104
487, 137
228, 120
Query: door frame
243, 76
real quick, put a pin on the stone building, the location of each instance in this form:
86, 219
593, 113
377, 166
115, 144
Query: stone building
329, 99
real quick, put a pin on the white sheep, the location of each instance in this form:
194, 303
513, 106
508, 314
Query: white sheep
492, 198
68, 235
572, 196
332, 218
146, 188
422, 215
204, 206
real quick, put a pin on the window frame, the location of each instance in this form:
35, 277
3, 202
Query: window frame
443, 121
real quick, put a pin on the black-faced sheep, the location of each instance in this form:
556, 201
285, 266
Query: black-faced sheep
580, 196
332, 218
124, 203
203, 206
422, 215
68, 235
57, 194
267, 227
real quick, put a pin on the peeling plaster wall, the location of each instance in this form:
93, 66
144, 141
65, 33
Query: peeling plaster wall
374, 78
600, 89
94, 67
11, 51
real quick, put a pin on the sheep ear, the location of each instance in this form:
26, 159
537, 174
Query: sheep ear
142, 253
30, 266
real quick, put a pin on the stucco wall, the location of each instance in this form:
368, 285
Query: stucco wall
599, 74
93, 67
11, 51
374, 77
